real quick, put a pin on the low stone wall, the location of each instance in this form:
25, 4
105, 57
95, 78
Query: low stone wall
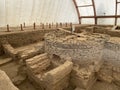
5, 82
98, 29
10, 51
24, 38
17, 39
112, 51
58, 78
110, 71
80, 51
47, 77
114, 33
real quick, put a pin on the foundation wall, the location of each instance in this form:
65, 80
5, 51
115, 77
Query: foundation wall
17, 39
110, 71
99, 29
79, 52
112, 53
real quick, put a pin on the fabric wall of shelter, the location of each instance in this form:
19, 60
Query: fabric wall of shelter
15, 12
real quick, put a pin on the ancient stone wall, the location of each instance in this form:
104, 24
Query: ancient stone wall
112, 51
24, 38
5, 82
79, 49
110, 71
47, 77
9, 50
17, 39
58, 78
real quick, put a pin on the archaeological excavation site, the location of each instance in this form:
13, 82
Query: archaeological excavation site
59, 45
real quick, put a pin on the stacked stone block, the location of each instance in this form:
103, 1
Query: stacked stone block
40, 73
58, 78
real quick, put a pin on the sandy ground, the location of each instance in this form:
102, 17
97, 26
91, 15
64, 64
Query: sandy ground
11, 69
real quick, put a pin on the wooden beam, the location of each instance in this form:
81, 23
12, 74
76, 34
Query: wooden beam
85, 6
109, 16
78, 13
116, 7
34, 26
21, 27
93, 3
8, 30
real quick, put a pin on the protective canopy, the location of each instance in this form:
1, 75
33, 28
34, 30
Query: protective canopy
15, 12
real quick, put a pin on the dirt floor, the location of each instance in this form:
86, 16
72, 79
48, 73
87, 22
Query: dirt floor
104, 86
26, 85
11, 68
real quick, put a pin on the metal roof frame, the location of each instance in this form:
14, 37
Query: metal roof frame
116, 16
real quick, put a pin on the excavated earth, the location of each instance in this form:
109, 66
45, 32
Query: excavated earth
87, 59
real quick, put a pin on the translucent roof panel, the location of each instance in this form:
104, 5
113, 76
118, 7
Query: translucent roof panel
88, 21
106, 7
16, 12
106, 21
83, 2
118, 21
98, 9
86, 11
118, 10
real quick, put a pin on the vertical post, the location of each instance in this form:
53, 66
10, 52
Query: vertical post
49, 25
93, 3
116, 4
78, 13
56, 25
43, 26
8, 30
34, 25
24, 24
21, 27
60, 24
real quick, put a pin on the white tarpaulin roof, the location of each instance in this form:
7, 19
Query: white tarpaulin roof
15, 12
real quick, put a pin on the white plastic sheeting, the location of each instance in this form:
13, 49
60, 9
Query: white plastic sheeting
106, 21
103, 8
106, 7
87, 21
15, 12
118, 21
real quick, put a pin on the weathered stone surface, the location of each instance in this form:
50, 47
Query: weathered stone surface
83, 78
58, 78
110, 71
82, 49
5, 82
4, 60
9, 50
38, 63
79, 89
29, 51
48, 78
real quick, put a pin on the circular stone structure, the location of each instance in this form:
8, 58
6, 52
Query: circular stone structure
80, 48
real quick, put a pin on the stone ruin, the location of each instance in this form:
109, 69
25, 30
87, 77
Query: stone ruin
69, 61
84, 51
